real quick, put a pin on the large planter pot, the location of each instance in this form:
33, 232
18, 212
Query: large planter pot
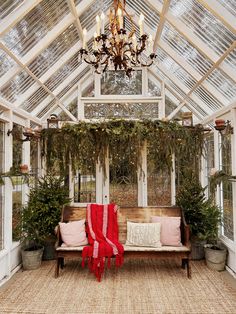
215, 257
49, 251
197, 249
31, 258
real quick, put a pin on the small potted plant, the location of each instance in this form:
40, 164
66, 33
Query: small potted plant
215, 252
24, 168
29, 235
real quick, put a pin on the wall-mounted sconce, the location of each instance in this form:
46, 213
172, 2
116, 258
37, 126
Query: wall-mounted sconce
29, 133
224, 127
187, 119
53, 121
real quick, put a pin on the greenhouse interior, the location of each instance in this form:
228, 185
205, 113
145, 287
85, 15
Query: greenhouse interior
118, 156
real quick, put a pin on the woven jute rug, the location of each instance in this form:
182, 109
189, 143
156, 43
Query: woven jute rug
140, 286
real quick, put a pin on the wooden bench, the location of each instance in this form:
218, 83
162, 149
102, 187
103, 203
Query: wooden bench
134, 214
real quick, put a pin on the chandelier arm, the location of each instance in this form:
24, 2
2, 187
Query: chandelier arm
106, 60
147, 64
129, 17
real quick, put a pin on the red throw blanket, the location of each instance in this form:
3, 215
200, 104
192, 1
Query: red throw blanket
102, 229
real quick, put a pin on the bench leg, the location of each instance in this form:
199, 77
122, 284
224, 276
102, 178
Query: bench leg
184, 262
188, 268
62, 262
57, 267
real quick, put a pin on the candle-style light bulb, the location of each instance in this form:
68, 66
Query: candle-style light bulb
102, 17
84, 37
95, 44
141, 20
150, 44
120, 17
98, 24
134, 41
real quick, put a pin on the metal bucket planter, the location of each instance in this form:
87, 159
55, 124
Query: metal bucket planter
31, 258
197, 249
49, 252
215, 257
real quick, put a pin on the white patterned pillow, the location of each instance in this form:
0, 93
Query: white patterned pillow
143, 234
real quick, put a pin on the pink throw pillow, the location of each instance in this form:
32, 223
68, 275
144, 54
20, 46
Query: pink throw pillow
170, 230
73, 233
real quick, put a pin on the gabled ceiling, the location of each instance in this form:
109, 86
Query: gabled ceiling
195, 41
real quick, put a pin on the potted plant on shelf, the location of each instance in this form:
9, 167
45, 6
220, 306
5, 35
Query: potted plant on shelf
24, 168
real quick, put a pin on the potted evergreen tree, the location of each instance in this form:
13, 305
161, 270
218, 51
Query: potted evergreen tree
40, 217
28, 232
191, 199
215, 252
47, 199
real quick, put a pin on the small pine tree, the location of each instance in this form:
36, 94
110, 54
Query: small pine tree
42, 213
191, 199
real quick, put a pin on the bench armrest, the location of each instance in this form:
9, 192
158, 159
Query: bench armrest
58, 235
185, 231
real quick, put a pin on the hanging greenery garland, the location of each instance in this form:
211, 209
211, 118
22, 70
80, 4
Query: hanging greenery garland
85, 143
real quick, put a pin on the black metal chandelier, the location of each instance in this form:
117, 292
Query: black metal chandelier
118, 50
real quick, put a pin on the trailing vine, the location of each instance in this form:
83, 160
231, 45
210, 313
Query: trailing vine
85, 143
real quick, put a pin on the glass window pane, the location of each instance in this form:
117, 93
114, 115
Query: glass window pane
17, 181
158, 184
154, 89
2, 153
227, 193
118, 83
209, 157
123, 110
123, 177
85, 187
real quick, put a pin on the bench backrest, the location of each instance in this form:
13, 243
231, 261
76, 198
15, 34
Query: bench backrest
134, 214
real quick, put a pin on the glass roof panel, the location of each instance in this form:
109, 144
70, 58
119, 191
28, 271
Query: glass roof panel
72, 83
197, 107
230, 5
173, 67
213, 103
35, 25
231, 60
54, 51
6, 63
204, 24
46, 109
87, 19
180, 92
7, 6
72, 107
17, 86
151, 17
33, 101
170, 83
63, 72
223, 84
78, 1
183, 48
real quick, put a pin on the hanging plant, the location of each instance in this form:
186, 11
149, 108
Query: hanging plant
85, 143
